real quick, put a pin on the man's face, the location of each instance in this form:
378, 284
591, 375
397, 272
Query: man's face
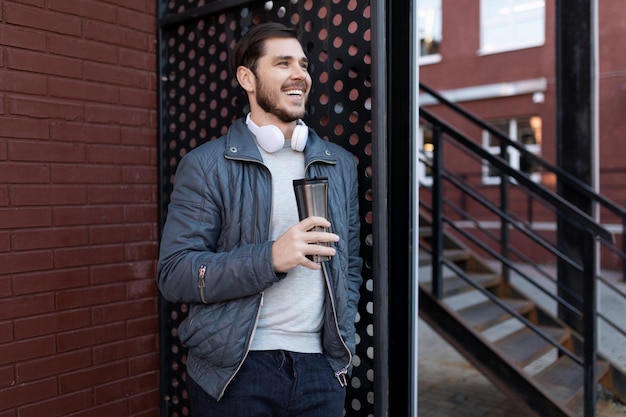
282, 80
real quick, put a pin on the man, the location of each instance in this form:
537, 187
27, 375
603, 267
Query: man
270, 332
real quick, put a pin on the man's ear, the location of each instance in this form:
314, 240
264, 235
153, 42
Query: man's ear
246, 79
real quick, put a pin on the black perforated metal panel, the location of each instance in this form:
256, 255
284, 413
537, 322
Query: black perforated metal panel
200, 98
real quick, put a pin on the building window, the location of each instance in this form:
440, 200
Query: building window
426, 155
429, 31
507, 25
527, 132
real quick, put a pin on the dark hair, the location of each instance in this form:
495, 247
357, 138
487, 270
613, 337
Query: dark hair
252, 45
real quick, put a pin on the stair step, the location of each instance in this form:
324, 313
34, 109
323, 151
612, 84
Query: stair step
486, 314
563, 379
425, 231
452, 255
524, 346
454, 285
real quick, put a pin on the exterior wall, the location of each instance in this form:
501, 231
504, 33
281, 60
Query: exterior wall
462, 66
612, 32
78, 208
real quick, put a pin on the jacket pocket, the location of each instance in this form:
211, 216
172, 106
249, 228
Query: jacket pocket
217, 332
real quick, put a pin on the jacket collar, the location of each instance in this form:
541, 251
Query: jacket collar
240, 144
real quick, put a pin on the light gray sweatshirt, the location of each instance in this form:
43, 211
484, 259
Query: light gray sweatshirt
293, 309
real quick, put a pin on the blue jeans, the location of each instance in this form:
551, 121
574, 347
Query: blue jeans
275, 383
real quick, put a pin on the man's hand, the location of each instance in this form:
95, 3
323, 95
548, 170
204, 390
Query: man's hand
291, 249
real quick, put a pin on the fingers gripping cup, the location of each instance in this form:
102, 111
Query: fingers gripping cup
312, 200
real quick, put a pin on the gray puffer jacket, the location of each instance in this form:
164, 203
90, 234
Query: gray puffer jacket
215, 252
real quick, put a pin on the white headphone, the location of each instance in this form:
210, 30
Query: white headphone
271, 139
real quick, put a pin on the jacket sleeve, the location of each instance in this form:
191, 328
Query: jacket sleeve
190, 269
355, 262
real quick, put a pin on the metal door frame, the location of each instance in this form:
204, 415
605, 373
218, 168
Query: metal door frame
375, 246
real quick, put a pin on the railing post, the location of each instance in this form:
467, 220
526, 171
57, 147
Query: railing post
437, 222
590, 346
504, 206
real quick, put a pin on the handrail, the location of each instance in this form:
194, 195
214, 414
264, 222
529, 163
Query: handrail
584, 220
523, 258
586, 190
467, 190
509, 219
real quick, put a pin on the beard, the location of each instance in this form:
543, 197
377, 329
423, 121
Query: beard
269, 100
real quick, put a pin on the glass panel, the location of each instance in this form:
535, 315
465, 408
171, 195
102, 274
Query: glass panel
428, 172
524, 5
428, 139
512, 24
502, 126
496, 36
429, 26
529, 131
496, 8
527, 166
530, 32
526, 131
428, 149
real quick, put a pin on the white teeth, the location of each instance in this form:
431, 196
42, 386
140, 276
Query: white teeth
294, 92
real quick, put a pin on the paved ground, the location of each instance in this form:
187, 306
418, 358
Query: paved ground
449, 386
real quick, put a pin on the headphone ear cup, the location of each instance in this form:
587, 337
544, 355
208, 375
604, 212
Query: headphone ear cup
299, 137
270, 138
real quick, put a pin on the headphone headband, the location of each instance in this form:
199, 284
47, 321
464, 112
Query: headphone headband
271, 138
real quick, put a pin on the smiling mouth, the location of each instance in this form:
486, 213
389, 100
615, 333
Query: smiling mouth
294, 93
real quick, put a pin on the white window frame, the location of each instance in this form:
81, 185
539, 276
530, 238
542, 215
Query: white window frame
509, 21
513, 154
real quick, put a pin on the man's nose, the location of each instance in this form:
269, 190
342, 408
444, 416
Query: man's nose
300, 72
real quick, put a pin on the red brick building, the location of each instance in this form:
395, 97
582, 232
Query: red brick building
78, 208
498, 60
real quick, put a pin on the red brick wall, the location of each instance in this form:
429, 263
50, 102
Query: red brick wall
78, 208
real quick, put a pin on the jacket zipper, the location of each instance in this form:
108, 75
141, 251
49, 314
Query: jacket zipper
201, 283
256, 322
340, 374
341, 377
258, 311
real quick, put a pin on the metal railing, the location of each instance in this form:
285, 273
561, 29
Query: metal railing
456, 200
